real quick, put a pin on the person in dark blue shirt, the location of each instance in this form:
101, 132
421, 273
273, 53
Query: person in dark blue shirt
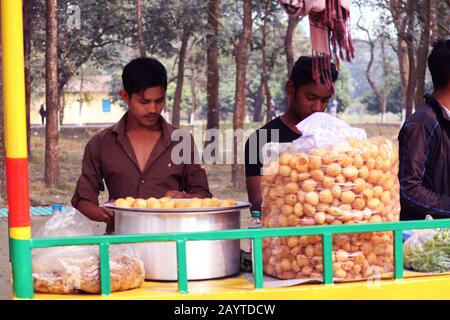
424, 141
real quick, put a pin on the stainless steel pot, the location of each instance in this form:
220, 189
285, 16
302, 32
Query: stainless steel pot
205, 259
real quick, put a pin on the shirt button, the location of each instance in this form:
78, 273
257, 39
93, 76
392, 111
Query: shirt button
142, 181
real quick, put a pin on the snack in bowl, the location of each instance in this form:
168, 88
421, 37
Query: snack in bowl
170, 203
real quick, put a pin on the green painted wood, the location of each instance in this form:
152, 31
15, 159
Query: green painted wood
105, 277
182, 266
327, 254
21, 268
398, 254
258, 263
243, 233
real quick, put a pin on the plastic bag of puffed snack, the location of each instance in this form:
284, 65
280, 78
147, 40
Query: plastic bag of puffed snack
333, 174
76, 269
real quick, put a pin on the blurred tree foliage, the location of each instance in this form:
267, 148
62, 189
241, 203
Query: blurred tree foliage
343, 95
107, 39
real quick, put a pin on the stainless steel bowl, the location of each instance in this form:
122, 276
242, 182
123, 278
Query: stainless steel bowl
205, 259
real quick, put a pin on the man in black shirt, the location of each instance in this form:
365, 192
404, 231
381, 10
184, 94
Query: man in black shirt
305, 97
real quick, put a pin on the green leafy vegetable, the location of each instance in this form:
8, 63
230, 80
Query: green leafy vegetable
428, 251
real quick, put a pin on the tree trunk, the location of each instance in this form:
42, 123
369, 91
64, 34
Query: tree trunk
212, 71
62, 81
62, 105
193, 97
402, 55
383, 107
180, 78
422, 53
411, 58
379, 91
292, 23
257, 112
81, 100
434, 25
140, 32
411, 85
27, 14
385, 88
51, 89
265, 64
400, 20
2, 137
376, 90
237, 170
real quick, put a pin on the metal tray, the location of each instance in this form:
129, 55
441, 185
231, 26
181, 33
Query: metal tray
239, 206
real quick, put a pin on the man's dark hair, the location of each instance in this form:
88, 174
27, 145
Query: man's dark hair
439, 63
302, 72
143, 73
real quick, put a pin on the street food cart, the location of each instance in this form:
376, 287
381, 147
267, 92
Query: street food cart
400, 285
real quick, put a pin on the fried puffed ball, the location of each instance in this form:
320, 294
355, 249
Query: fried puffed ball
195, 203
181, 204
122, 203
153, 203
140, 203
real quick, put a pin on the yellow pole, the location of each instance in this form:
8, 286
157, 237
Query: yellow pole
16, 146
13, 79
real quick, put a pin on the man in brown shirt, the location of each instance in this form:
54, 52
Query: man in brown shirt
134, 156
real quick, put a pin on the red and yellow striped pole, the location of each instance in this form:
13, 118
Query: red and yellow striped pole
16, 146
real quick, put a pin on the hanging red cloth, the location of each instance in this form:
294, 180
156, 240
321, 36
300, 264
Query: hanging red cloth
329, 22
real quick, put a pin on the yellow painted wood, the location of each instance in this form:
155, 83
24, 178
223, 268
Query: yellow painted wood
13, 79
416, 287
20, 233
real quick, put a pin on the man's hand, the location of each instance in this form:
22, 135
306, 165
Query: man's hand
177, 194
94, 212
182, 195
104, 215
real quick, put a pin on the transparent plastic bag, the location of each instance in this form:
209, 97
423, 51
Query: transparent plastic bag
347, 181
68, 224
76, 269
427, 250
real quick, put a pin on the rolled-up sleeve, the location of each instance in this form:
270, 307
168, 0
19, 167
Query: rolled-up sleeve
194, 177
415, 141
90, 182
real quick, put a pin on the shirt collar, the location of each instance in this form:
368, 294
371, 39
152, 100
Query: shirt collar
161, 145
432, 101
166, 129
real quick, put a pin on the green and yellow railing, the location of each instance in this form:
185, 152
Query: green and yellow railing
24, 286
